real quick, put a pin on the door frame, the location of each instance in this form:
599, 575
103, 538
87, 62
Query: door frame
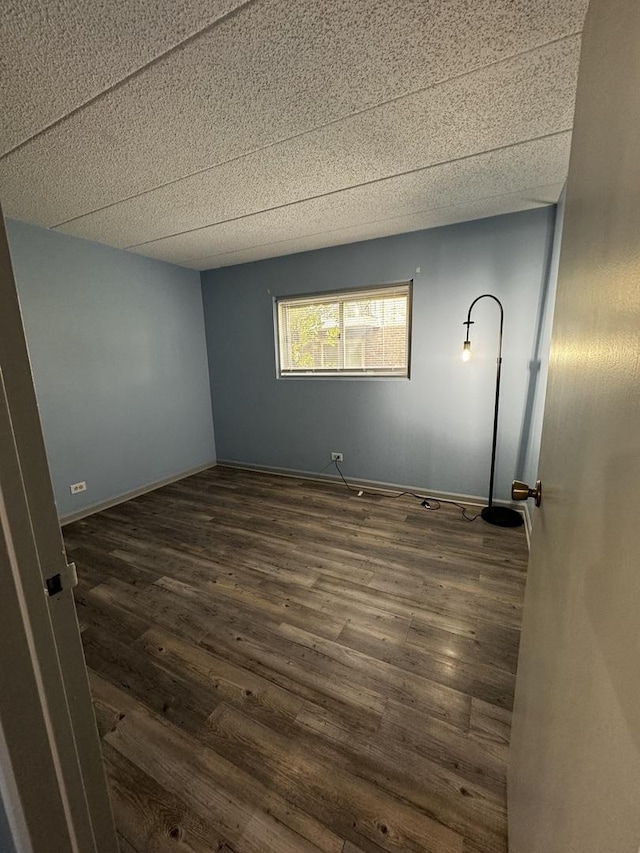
54, 789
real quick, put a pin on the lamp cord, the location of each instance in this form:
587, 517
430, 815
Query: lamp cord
426, 501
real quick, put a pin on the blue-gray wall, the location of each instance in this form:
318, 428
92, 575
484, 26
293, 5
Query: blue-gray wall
432, 431
117, 347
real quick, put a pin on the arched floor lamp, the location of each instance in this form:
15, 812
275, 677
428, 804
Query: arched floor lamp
502, 516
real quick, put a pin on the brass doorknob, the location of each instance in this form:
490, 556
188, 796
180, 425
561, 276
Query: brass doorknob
520, 491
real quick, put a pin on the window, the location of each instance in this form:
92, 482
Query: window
345, 333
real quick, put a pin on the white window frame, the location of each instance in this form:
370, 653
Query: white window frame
343, 295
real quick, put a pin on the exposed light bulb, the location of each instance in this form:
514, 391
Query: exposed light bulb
466, 351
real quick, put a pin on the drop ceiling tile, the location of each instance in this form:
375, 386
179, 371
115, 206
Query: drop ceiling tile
501, 172
513, 101
480, 209
55, 55
273, 70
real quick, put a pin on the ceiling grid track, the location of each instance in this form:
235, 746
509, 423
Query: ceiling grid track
227, 131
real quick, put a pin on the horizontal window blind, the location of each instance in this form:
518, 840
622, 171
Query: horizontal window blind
353, 333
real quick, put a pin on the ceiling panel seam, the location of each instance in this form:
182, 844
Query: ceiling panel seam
294, 137
138, 71
372, 222
350, 187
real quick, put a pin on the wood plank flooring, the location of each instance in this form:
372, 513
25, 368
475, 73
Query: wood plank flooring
280, 666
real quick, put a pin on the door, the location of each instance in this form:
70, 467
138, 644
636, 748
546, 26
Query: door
574, 784
51, 775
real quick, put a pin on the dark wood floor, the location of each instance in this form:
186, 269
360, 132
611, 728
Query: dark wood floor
280, 666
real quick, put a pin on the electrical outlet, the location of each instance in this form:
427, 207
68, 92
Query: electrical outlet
76, 488
337, 457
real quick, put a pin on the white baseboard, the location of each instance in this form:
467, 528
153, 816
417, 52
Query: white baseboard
127, 496
379, 485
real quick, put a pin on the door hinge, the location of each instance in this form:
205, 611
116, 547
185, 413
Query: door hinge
66, 579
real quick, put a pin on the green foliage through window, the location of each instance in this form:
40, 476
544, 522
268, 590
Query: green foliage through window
352, 332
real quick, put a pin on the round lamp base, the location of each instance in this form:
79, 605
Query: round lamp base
502, 516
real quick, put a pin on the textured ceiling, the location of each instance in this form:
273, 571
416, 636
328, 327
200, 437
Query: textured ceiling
214, 132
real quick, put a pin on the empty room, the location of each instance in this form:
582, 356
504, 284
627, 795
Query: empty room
318, 457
